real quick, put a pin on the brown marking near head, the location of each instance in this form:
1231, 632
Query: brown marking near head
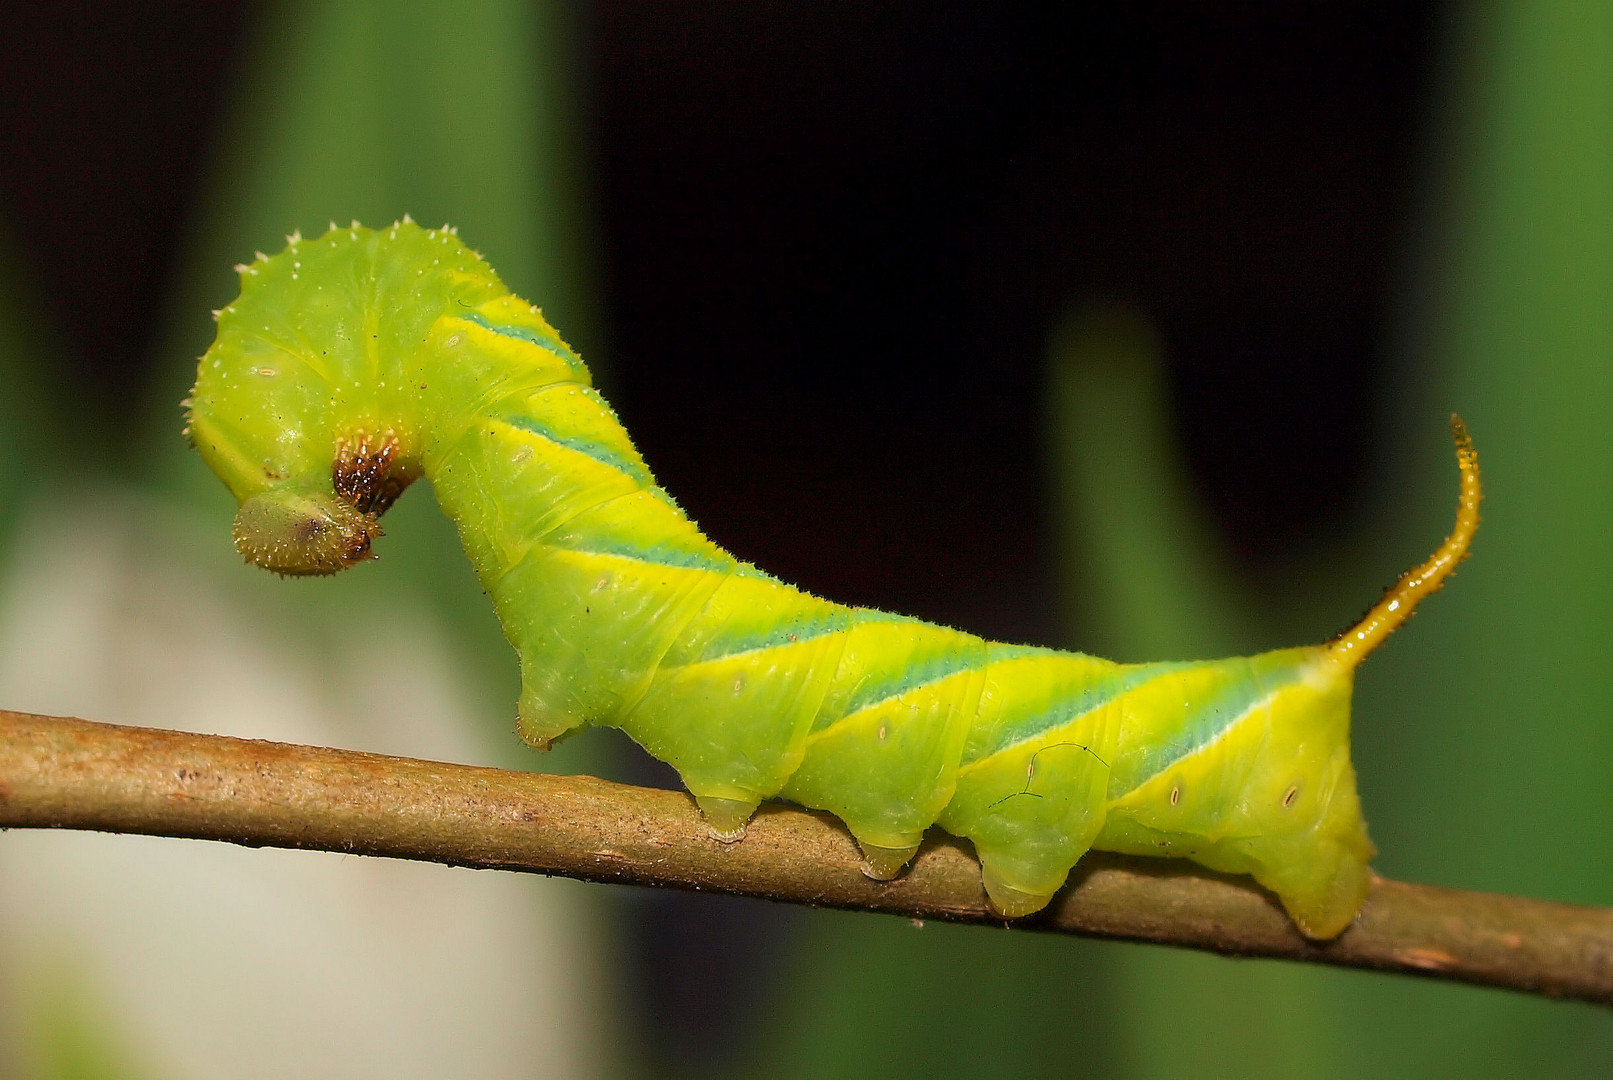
367, 472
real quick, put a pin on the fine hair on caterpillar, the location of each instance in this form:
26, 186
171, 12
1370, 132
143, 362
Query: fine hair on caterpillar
355, 362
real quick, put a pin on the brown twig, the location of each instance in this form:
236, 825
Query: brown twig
73, 774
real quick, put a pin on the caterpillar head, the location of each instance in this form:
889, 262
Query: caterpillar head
325, 523
307, 403
296, 528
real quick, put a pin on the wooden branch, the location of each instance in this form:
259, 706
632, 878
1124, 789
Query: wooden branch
73, 774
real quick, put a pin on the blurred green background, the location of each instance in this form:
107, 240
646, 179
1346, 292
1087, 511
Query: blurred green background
1133, 332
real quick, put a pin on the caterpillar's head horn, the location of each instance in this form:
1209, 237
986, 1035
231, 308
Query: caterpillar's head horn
295, 528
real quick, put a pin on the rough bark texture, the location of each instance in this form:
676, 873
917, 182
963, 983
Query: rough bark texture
74, 774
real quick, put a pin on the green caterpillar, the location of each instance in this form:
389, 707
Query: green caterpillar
352, 364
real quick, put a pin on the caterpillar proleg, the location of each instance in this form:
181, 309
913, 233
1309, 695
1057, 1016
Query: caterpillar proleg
353, 363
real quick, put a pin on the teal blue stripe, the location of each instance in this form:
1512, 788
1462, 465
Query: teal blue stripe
962, 654
605, 455
1207, 722
658, 554
1094, 695
530, 335
997, 651
788, 632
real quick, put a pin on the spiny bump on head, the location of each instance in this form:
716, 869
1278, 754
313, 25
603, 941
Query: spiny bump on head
187, 406
367, 472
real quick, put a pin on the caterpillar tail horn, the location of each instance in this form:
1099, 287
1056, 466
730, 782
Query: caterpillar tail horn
1402, 598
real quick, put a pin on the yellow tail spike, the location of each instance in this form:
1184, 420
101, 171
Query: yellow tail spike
1402, 599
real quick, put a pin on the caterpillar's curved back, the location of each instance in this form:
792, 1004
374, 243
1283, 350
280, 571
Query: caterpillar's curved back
354, 363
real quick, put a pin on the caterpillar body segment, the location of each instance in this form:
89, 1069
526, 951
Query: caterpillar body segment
353, 363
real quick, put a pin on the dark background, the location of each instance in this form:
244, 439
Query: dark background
833, 237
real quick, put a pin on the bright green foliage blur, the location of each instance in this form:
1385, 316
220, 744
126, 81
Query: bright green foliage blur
1483, 741
1483, 737
75, 1036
